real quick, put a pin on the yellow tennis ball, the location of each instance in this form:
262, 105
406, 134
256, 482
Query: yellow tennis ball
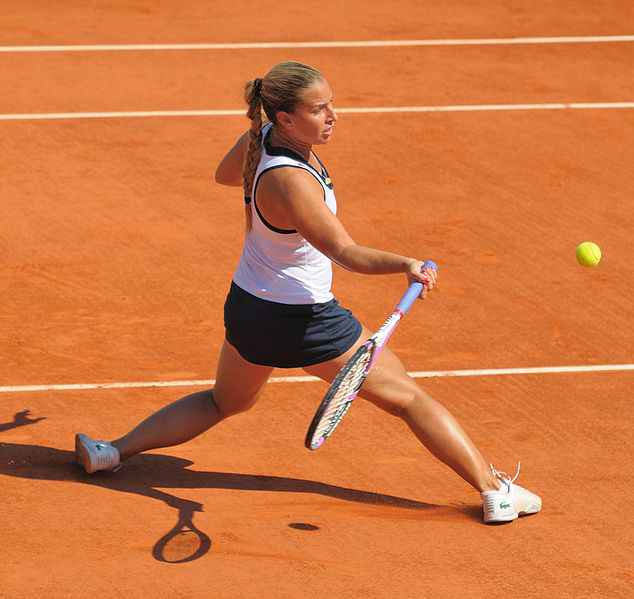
588, 254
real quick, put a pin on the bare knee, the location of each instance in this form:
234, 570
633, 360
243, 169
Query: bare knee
235, 404
413, 401
406, 400
396, 396
392, 389
418, 400
423, 408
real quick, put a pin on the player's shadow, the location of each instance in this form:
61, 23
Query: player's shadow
144, 473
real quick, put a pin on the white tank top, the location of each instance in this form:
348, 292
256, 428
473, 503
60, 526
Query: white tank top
280, 265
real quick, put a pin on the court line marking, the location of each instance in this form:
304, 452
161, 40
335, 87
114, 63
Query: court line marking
331, 44
358, 110
306, 379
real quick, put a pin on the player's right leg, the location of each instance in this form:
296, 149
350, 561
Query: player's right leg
238, 385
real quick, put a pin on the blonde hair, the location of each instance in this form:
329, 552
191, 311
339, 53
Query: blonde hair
280, 90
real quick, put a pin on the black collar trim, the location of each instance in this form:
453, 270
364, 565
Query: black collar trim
272, 150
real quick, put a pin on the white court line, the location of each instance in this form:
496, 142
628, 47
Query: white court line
359, 110
117, 115
333, 44
306, 379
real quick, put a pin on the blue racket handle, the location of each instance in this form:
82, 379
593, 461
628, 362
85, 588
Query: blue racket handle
413, 291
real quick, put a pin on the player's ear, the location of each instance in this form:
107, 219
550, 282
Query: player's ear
285, 120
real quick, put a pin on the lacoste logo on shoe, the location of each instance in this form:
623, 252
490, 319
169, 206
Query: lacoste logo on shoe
504, 505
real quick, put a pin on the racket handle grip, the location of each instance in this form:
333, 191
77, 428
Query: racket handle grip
413, 291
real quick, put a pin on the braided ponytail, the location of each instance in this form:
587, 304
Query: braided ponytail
252, 94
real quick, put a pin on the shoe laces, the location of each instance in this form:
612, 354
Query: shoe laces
503, 476
104, 456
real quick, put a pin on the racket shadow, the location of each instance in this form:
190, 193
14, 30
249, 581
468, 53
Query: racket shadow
185, 542
145, 474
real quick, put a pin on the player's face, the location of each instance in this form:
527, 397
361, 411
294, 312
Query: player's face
313, 119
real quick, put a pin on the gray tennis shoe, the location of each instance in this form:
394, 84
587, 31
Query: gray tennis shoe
96, 455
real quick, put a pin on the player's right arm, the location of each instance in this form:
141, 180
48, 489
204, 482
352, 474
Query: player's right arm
229, 171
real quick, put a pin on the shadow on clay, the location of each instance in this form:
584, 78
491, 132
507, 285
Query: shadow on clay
146, 473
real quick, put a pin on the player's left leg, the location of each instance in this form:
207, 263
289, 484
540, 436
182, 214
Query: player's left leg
389, 387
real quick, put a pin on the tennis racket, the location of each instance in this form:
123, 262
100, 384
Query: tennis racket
348, 381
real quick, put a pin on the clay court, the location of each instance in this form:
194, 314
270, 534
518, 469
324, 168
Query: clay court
492, 137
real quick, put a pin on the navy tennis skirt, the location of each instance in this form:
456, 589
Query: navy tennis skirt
287, 335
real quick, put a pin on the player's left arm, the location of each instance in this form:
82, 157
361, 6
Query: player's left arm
301, 198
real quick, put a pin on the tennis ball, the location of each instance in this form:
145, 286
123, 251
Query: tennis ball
588, 254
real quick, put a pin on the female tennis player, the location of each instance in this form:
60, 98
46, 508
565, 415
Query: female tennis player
280, 311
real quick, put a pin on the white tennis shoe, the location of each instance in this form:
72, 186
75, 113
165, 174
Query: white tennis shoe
510, 501
96, 455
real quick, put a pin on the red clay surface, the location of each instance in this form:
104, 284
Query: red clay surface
118, 249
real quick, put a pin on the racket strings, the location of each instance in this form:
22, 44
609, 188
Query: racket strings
343, 390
